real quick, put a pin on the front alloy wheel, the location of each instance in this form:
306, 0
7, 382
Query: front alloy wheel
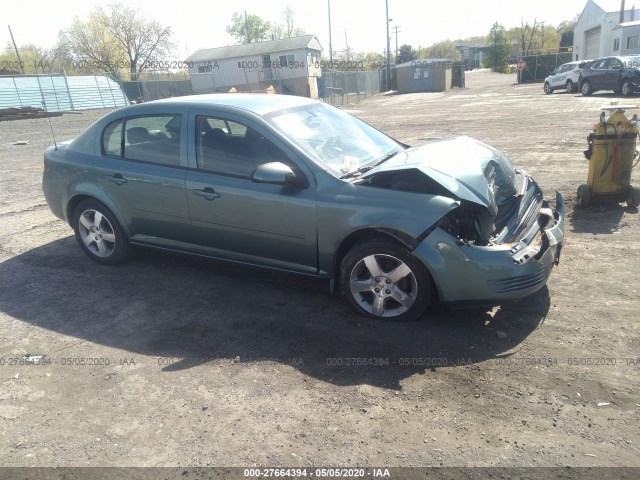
547, 88
586, 89
382, 280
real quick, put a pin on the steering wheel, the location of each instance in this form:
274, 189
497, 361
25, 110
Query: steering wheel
332, 149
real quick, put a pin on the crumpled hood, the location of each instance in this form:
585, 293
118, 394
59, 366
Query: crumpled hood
467, 168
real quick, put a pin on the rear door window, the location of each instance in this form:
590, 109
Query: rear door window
150, 139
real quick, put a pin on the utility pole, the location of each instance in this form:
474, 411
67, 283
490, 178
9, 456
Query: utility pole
246, 27
330, 47
16, 49
495, 47
388, 48
346, 42
396, 32
542, 23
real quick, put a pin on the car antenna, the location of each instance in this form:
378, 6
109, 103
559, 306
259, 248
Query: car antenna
50, 126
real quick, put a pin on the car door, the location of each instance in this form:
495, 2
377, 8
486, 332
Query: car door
559, 77
143, 169
611, 79
598, 73
236, 218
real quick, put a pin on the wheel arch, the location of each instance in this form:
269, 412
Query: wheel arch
379, 233
77, 198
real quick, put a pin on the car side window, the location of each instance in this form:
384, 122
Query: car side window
231, 148
112, 139
615, 64
153, 139
598, 64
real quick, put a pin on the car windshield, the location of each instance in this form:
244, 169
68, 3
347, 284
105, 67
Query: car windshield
333, 138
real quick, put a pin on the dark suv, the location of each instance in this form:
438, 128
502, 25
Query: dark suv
620, 74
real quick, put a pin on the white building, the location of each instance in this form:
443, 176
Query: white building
629, 34
602, 29
290, 65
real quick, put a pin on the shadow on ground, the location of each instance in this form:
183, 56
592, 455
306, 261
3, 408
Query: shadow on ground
604, 218
195, 311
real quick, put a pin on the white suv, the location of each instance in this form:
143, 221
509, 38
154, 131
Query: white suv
564, 77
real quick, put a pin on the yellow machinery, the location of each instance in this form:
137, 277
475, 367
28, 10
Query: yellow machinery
611, 155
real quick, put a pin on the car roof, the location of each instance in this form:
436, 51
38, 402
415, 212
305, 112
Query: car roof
259, 103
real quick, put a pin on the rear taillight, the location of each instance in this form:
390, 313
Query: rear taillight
578, 71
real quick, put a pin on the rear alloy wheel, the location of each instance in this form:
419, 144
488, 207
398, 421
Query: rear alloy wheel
570, 87
633, 196
99, 234
584, 196
380, 279
547, 88
586, 89
627, 88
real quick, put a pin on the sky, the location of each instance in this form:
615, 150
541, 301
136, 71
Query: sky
360, 22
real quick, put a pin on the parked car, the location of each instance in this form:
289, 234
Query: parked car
293, 184
565, 77
620, 74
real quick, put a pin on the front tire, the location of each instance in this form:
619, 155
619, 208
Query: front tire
547, 88
99, 234
380, 279
586, 89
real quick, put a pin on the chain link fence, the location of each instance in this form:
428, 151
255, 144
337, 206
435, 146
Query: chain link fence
58, 92
344, 87
538, 67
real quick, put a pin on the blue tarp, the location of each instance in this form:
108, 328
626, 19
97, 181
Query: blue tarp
58, 93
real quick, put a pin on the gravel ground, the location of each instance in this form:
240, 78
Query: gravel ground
177, 361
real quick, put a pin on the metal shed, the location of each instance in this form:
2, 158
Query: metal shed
424, 75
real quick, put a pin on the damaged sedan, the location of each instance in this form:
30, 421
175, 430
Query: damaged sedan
292, 184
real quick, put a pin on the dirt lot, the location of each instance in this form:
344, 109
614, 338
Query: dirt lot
175, 361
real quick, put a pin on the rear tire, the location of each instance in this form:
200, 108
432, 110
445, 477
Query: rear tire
382, 280
584, 196
570, 87
585, 88
99, 234
627, 89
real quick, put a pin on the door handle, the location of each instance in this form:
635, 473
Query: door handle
208, 193
117, 178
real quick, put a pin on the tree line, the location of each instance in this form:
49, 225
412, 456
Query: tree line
504, 45
123, 43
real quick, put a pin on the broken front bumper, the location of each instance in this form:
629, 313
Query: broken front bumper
485, 274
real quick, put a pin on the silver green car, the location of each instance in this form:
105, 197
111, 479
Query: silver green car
293, 184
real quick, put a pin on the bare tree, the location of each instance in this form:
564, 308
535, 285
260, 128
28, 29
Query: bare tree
144, 41
289, 29
524, 34
117, 40
90, 44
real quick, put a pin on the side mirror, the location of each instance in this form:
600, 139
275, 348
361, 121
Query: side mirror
276, 173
